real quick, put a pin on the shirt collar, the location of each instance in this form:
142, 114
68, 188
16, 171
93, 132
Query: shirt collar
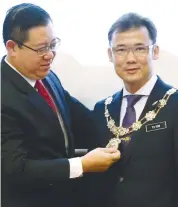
31, 82
144, 90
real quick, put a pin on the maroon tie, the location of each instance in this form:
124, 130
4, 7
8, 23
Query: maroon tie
45, 94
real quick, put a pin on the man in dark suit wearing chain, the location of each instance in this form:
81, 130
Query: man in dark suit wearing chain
41, 123
140, 120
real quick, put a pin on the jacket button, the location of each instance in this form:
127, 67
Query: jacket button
121, 179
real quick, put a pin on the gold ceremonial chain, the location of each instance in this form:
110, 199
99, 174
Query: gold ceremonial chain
121, 131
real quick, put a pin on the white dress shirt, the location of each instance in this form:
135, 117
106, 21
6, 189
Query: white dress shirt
139, 106
76, 169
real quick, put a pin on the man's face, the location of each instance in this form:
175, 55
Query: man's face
131, 57
27, 61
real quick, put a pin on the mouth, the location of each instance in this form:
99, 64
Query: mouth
45, 67
47, 63
131, 70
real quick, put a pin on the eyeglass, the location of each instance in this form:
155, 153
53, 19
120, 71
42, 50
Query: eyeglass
140, 50
42, 51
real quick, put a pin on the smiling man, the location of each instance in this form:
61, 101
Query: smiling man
141, 119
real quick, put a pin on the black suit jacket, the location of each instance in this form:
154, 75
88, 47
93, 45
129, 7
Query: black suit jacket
35, 166
147, 174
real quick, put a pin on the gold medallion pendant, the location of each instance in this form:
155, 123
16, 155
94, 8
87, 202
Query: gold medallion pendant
113, 143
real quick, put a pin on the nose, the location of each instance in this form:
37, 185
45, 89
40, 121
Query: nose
131, 56
50, 55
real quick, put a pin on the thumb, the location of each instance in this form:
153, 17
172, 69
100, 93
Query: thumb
109, 150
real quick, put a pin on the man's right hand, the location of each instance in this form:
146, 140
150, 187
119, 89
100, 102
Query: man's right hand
99, 159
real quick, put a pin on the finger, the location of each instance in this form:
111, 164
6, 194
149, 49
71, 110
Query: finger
116, 155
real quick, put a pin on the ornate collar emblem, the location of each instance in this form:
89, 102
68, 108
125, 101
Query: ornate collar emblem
119, 131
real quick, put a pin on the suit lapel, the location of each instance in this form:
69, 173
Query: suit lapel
115, 107
42, 106
57, 97
157, 93
60, 103
32, 95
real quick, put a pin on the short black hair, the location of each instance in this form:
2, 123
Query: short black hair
22, 17
133, 20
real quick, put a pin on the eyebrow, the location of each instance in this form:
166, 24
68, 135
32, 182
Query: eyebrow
44, 43
123, 45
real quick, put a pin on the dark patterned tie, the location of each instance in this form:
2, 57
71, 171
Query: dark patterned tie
130, 115
45, 94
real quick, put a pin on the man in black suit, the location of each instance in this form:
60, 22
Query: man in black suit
147, 173
40, 119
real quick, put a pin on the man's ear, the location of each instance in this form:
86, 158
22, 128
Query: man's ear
155, 52
11, 47
110, 54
